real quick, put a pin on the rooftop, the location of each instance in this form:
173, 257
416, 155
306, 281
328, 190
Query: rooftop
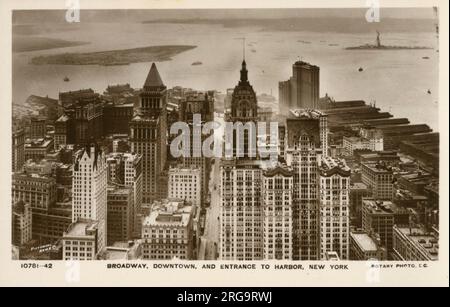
306, 113
169, 213
331, 166
427, 241
358, 186
153, 78
378, 167
364, 241
380, 207
79, 228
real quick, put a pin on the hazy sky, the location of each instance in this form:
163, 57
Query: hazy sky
140, 15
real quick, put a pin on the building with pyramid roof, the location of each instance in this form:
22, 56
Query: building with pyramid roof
148, 133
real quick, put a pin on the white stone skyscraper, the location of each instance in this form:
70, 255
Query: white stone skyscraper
278, 184
89, 186
334, 207
241, 223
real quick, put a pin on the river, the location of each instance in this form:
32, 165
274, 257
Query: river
398, 80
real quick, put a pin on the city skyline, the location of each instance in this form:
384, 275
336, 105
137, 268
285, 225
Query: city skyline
99, 175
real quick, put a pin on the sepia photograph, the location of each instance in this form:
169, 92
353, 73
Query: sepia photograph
229, 138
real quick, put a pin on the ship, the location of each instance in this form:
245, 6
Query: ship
66, 79
360, 69
196, 63
379, 46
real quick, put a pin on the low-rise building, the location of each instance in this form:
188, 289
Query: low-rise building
80, 242
414, 244
167, 232
185, 183
37, 149
379, 179
364, 247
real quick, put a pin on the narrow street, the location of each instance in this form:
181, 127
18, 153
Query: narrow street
210, 240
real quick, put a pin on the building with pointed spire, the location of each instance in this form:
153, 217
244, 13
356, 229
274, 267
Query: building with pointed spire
244, 108
241, 213
148, 133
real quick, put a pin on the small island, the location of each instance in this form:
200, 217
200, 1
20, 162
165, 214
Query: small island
115, 57
379, 46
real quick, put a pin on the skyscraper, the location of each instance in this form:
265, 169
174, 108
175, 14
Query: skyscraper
334, 207
148, 133
303, 154
89, 186
18, 149
277, 213
301, 90
241, 221
203, 104
126, 169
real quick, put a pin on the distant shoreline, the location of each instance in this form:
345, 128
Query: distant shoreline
383, 47
29, 43
294, 24
115, 57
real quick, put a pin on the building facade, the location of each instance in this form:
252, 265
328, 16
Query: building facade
18, 149
301, 91
412, 243
303, 153
364, 247
89, 195
80, 241
21, 223
378, 178
241, 216
120, 214
185, 183
148, 133
278, 184
334, 207
167, 232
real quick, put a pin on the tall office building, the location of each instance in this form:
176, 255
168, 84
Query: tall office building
120, 214
202, 104
278, 184
148, 133
306, 134
334, 207
89, 196
18, 149
301, 91
241, 215
241, 227
244, 109
126, 169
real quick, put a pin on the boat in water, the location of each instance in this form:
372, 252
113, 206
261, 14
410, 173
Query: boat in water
360, 69
425, 57
196, 63
66, 79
